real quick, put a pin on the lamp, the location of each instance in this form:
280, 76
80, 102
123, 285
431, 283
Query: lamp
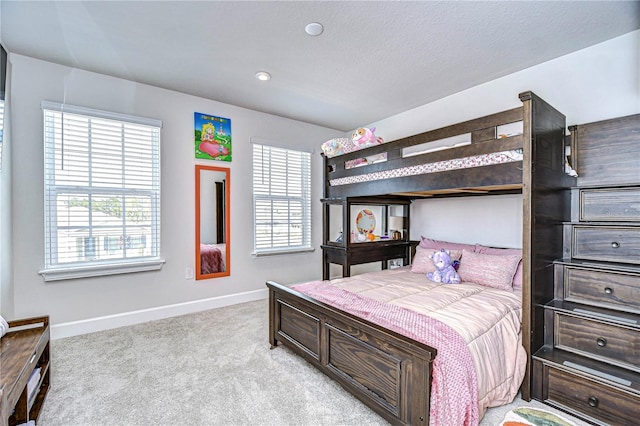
396, 224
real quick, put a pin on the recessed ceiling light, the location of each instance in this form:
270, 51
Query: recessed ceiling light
314, 29
263, 76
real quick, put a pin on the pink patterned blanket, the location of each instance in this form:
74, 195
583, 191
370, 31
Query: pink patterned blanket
454, 387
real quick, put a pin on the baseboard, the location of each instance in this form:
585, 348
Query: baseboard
74, 328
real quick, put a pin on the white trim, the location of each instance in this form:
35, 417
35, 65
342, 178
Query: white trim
57, 274
281, 145
272, 252
74, 328
74, 109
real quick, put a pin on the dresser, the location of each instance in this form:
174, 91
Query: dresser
589, 365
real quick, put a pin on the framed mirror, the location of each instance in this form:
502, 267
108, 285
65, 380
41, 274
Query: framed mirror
212, 222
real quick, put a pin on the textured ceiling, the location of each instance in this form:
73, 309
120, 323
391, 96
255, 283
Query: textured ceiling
374, 59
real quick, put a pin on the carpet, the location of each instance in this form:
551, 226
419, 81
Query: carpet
526, 416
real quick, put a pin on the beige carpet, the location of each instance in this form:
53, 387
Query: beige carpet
209, 368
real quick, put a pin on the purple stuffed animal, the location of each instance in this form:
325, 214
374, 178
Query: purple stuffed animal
445, 272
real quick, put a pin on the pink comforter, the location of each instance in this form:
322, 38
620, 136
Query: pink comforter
488, 320
454, 389
210, 259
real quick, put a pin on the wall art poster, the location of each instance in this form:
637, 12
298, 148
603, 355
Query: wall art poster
212, 137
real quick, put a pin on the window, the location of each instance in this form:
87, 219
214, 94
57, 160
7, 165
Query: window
281, 200
102, 192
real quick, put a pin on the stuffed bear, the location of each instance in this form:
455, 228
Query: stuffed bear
445, 271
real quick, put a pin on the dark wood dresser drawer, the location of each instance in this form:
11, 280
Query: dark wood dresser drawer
611, 204
616, 290
605, 243
596, 400
607, 152
598, 340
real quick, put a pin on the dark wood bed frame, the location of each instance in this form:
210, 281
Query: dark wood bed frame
391, 373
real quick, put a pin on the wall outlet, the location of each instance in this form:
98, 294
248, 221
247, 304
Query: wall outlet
188, 273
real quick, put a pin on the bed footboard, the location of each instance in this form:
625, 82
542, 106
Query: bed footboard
388, 372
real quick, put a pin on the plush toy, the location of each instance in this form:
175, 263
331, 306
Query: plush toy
445, 271
363, 137
337, 146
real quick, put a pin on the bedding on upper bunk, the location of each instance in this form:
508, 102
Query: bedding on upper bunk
434, 167
339, 146
487, 319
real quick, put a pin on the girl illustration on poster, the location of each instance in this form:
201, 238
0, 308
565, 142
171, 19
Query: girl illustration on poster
212, 137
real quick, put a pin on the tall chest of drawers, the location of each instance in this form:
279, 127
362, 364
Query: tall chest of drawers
590, 363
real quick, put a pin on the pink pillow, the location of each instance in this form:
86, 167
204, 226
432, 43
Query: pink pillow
422, 263
428, 243
517, 278
488, 270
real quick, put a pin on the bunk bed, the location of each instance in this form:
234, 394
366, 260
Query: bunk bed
388, 369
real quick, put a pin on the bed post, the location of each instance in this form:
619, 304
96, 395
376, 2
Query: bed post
546, 204
272, 317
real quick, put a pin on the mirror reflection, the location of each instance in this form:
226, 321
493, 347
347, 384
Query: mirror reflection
212, 222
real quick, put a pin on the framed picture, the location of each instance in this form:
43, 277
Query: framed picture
395, 263
212, 137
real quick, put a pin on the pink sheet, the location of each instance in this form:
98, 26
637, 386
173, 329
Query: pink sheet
454, 389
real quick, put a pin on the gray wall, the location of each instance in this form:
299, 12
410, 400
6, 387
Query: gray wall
72, 300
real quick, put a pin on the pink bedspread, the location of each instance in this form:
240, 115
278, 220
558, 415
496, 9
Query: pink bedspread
454, 389
488, 319
210, 259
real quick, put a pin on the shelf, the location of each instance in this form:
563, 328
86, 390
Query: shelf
382, 215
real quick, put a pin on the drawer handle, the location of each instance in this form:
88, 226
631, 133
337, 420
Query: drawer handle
608, 290
601, 341
615, 244
593, 401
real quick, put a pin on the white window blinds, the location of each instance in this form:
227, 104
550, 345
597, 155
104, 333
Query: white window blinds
281, 199
102, 187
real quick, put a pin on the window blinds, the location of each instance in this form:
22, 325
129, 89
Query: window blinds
282, 199
102, 187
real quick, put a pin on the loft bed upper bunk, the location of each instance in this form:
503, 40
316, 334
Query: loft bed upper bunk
480, 156
389, 370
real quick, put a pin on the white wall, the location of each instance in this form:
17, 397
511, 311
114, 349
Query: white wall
73, 300
597, 83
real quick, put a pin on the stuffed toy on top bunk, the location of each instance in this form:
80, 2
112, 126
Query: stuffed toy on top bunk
361, 138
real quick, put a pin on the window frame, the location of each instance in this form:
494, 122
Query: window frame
53, 270
304, 199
